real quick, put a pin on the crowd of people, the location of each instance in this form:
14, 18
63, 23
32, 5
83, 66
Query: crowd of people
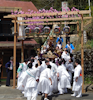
48, 76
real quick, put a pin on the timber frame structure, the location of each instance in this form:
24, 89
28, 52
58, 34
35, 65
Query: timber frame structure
15, 21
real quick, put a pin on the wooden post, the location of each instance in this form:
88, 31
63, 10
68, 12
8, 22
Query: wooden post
82, 54
77, 27
14, 68
22, 51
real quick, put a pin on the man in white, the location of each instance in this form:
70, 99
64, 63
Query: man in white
65, 55
45, 81
54, 86
64, 78
77, 85
22, 68
29, 82
70, 68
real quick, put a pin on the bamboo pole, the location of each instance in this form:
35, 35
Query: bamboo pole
22, 51
14, 68
82, 53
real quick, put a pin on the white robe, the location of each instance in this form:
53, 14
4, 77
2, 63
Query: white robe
23, 67
70, 69
77, 73
29, 81
65, 56
44, 82
54, 86
64, 78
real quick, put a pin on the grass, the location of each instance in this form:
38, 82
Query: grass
88, 80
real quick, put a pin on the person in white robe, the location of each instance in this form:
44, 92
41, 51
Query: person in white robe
22, 68
30, 83
59, 45
65, 55
70, 68
77, 84
45, 81
64, 78
54, 86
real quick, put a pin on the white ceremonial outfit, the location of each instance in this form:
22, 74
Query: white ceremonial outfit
70, 69
77, 86
29, 81
59, 45
22, 68
65, 56
44, 82
64, 79
54, 86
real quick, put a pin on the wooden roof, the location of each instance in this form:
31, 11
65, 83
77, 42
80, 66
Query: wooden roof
17, 5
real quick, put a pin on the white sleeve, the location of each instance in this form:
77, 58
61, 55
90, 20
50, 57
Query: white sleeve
77, 72
49, 73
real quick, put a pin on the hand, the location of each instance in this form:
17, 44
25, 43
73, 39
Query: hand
76, 79
51, 82
37, 80
17, 75
0, 65
23, 86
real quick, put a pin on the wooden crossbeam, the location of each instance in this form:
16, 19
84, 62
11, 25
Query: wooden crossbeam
50, 14
54, 19
45, 36
58, 23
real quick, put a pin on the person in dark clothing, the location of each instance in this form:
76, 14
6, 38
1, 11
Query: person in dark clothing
9, 70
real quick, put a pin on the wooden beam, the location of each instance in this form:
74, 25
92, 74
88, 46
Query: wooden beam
77, 27
22, 51
45, 36
82, 54
58, 23
50, 14
14, 68
54, 19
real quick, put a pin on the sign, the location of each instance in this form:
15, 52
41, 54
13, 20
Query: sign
85, 36
21, 30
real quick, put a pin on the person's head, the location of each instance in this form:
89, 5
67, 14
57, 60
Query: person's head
11, 58
71, 55
66, 51
44, 47
70, 60
36, 65
47, 62
77, 61
68, 42
26, 61
63, 61
30, 65
59, 42
57, 47
49, 66
40, 61
60, 62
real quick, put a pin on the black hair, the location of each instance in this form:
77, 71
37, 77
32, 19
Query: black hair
71, 55
77, 61
63, 61
32, 60
46, 61
36, 65
40, 61
26, 60
30, 65
49, 66
60, 62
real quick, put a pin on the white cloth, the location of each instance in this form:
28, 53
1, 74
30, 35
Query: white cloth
65, 56
29, 81
70, 69
44, 83
11, 65
64, 78
59, 45
54, 86
77, 73
43, 51
23, 67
